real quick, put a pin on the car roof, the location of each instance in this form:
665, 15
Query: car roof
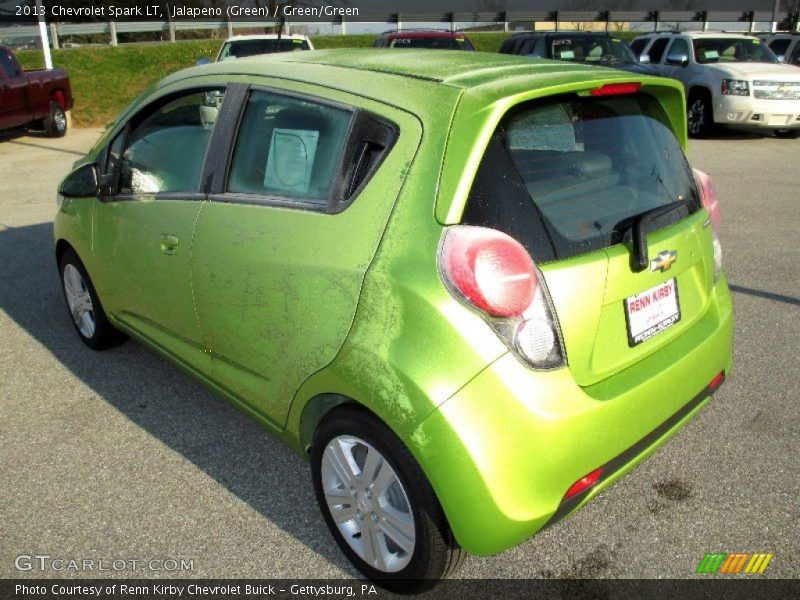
265, 36
464, 70
698, 34
422, 34
419, 82
561, 33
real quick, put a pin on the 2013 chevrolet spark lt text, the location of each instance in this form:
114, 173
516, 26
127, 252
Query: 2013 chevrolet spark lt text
474, 290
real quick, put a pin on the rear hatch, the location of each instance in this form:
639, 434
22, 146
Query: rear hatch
575, 179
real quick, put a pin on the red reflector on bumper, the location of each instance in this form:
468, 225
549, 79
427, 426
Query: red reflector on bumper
716, 382
616, 89
583, 483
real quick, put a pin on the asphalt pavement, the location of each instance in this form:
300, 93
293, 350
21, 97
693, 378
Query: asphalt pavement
120, 456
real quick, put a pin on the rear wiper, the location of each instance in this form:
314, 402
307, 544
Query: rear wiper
638, 224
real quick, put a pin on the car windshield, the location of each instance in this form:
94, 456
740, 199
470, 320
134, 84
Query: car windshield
436, 43
578, 167
712, 50
244, 48
585, 48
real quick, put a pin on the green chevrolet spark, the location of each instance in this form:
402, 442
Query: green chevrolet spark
472, 290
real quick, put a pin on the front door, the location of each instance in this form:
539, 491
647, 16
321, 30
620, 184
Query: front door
14, 108
144, 230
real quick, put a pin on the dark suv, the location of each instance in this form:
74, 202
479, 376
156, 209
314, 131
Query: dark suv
581, 46
434, 39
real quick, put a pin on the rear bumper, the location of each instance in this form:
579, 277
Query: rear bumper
503, 451
745, 111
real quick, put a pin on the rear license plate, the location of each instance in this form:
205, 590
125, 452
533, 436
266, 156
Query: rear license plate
652, 311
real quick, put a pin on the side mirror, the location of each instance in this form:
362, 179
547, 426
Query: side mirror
644, 59
678, 60
203, 60
82, 182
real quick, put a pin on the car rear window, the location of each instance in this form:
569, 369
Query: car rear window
590, 48
245, 48
561, 175
436, 43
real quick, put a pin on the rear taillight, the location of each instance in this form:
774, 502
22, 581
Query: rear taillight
710, 201
495, 274
708, 197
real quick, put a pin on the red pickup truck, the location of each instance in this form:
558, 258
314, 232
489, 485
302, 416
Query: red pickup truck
37, 98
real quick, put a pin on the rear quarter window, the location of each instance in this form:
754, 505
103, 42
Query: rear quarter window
560, 175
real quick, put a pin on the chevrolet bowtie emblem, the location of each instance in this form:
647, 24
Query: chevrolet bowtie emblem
664, 260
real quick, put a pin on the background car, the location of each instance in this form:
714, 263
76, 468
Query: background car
433, 39
242, 46
33, 98
394, 291
583, 47
731, 79
786, 46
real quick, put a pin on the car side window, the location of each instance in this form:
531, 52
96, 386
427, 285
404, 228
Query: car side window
638, 46
8, 65
794, 59
657, 50
779, 47
679, 48
165, 151
288, 147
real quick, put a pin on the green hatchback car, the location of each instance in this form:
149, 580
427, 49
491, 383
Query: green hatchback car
473, 290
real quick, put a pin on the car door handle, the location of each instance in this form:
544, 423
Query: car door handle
169, 243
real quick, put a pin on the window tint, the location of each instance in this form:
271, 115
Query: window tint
436, 43
245, 48
779, 46
795, 58
679, 48
507, 47
8, 65
165, 152
638, 46
288, 147
712, 50
577, 167
657, 50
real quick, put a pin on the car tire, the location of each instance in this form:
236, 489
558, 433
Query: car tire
699, 116
791, 134
85, 311
399, 536
55, 124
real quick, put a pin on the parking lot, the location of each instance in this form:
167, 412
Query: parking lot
120, 455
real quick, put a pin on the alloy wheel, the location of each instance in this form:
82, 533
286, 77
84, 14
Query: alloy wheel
368, 503
79, 301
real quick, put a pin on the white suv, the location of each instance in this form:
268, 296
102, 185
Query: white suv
786, 46
730, 79
242, 46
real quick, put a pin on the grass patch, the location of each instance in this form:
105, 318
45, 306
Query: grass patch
106, 79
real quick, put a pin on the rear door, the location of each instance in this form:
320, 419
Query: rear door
282, 247
585, 167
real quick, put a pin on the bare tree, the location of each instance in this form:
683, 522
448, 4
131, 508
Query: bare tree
619, 5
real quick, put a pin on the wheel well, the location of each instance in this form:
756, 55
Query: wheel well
317, 409
61, 247
697, 91
58, 96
